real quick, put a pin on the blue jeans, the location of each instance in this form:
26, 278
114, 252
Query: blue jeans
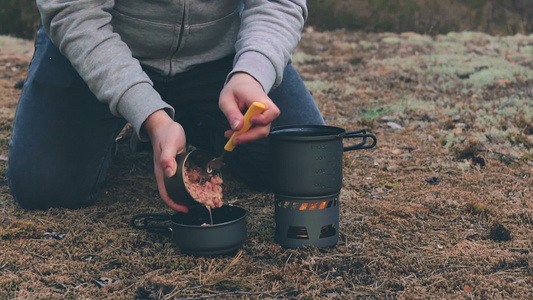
62, 138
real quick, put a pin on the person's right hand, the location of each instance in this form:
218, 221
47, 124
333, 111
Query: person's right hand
168, 140
237, 96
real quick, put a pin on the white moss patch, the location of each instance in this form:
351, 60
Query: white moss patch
301, 57
318, 85
470, 59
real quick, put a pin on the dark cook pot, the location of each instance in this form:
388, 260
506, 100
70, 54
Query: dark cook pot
307, 160
190, 232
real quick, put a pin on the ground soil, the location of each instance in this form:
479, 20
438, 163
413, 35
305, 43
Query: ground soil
441, 208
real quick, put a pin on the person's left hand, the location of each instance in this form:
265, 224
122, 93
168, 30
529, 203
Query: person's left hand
168, 139
238, 94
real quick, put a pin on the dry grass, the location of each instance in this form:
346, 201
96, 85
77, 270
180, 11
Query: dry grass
440, 209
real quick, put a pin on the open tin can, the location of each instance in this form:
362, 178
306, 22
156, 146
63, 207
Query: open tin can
176, 186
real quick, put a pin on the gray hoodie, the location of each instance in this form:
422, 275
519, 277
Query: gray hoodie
107, 41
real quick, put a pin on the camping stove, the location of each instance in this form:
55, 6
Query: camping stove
302, 221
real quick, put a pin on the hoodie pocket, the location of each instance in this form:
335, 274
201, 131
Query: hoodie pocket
217, 36
144, 38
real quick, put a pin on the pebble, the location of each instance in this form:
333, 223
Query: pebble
394, 125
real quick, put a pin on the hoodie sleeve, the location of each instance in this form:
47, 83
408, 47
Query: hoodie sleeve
269, 33
83, 33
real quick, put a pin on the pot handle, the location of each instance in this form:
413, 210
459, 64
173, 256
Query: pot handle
362, 145
154, 218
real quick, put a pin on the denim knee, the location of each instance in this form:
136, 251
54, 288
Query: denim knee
38, 190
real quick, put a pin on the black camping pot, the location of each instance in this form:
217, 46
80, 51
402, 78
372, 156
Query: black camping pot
192, 231
307, 159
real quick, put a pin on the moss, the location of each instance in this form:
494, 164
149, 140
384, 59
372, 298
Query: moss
523, 119
484, 121
417, 104
466, 59
376, 109
318, 85
366, 45
451, 139
420, 40
301, 57
391, 40
349, 90
520, 139
527, 157
390, 186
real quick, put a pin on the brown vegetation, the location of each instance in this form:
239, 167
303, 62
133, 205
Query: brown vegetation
441, 209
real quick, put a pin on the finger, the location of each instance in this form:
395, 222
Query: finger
253, 134
177, 207
244, 137
261, 124
269, 115
228, 133
263, 119
231, 110
167, 159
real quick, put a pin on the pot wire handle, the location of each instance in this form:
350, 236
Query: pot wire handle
362, 145
145, 218
355, 134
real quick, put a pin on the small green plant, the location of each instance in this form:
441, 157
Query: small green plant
527, 157
478, 209
376, 111
373, 113
450, 140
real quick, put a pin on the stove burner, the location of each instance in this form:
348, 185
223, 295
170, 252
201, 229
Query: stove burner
300, 232
298, 205
304, 221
